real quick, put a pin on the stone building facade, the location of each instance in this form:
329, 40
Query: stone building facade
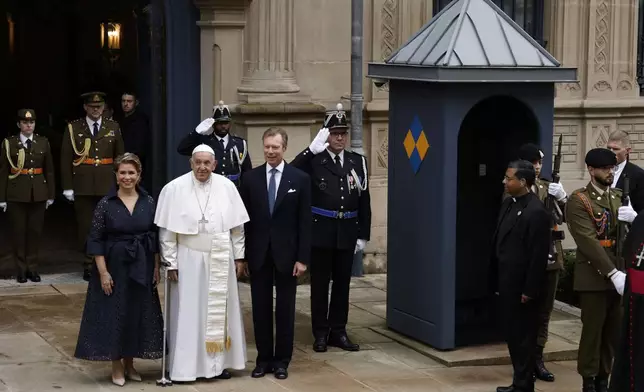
284, 62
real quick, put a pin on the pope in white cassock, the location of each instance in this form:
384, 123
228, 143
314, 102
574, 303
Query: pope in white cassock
201, 220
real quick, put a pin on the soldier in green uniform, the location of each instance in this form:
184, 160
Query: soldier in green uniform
90, 146
26, 191
592, 214
544, 188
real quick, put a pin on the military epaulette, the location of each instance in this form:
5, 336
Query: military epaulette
241, 139
110, 121
75, 121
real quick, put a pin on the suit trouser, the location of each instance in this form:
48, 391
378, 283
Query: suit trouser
521, 323
547, 304
601, 313
84, 208
261, 287
326, 265
26, 221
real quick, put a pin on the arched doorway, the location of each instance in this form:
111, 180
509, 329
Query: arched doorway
54, 51
489, 137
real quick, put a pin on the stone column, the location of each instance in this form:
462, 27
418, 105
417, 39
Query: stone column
268, 65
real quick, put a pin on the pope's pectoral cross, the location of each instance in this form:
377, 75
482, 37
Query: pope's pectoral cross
203, 220
640, 257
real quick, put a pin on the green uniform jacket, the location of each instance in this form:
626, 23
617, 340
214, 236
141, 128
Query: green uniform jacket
594, 262
84, 179
27, 187
542, 188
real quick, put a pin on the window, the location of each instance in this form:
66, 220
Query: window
526, 13
640, 47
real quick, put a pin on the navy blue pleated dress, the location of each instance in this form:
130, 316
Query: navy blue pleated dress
127, 323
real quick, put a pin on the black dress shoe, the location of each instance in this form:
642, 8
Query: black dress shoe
87, 274
320, 345
225, 375
33, 276
342, 341
260, 371
21, 278
540, 370
589, 384
281, 373
506, 389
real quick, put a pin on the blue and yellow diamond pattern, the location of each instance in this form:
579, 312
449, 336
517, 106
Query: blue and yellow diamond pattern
416, 144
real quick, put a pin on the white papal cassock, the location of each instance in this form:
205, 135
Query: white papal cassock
201, 234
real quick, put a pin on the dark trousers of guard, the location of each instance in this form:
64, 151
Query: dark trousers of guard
84, 207
26, 221
326, 265
521, 321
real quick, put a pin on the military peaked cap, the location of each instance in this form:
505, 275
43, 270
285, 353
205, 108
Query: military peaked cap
27, 115
94, 97
530, 152
601, 157
336, 118
221, 113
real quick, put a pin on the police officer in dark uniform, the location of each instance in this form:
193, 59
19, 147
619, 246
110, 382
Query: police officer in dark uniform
231, 152
26, 191
90, 146
341, 226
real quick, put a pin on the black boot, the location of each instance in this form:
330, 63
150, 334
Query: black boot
601, 383
540, 370
589, 385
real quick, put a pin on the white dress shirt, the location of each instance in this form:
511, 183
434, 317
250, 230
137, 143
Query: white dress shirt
90, 124
225, 139
341, 154
278, 176
618, 172
24, 138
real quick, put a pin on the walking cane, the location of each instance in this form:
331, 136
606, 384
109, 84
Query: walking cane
164, 382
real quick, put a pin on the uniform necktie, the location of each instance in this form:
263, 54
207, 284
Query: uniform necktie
223, 146
271, 191
95, 130
338, 163
29, 144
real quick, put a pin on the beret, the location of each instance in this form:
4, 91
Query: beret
601, 157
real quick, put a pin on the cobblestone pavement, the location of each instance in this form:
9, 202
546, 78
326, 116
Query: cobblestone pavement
39, 326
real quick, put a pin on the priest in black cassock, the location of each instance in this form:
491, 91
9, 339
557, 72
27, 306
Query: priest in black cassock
628, 367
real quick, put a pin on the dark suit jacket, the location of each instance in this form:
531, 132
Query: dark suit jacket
522, 242
636, 185
287, 233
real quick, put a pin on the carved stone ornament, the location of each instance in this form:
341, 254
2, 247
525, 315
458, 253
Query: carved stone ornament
601, 132
383, 149
625, 85
388, 32
602, 27
602, 85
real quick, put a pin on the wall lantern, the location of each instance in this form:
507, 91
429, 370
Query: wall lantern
111, 36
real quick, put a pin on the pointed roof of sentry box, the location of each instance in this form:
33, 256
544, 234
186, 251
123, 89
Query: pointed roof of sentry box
479, 40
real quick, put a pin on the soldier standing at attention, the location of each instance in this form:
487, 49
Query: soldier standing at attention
592, 215
341, 209
26, 191
543, 188
90, 146
231, 152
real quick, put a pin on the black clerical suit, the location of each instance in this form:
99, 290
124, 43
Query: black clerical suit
522, 242
275, 239
627, 375
636, 184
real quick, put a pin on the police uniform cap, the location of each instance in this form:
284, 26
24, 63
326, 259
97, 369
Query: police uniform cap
93, 97
336, 120
601, 157
221, 113
530, 152
27, 115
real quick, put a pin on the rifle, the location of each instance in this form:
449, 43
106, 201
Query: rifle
622, 227
551, 203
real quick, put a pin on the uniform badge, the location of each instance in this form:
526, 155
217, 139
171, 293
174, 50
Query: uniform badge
322, 186
240, 155
111, 133
351, 184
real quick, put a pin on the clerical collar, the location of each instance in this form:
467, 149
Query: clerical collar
599, 190
522, 200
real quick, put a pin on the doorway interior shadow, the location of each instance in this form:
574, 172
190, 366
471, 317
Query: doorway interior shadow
489, 138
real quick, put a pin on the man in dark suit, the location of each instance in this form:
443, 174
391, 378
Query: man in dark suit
278, 248
341, 226
620, 144
522, 243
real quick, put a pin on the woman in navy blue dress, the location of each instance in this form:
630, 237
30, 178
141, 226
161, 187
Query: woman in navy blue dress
122, 317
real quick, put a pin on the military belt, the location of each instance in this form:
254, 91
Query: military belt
607, 243
233, 177
27, 171
98, 162
334, 214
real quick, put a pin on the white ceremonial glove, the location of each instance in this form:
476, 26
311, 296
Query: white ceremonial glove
3, 207
69, 194
619, 281
48, 203
320, 143
205, 127
555, 189
360, 244
626, 214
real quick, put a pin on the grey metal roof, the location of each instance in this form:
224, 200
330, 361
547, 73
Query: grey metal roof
465, 42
